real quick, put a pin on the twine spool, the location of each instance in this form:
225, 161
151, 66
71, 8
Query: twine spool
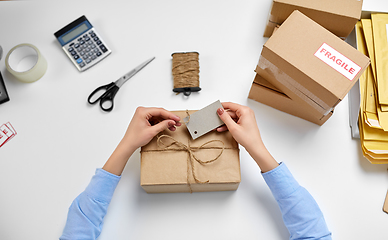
185, 71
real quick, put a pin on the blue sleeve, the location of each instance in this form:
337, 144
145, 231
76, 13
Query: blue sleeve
87, 212
301, 214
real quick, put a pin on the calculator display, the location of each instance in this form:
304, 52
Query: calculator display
69, 36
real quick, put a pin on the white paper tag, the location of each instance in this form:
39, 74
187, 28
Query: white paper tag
337, 61
204, 120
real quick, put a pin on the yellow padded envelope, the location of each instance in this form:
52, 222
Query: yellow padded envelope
374, 142
380, 37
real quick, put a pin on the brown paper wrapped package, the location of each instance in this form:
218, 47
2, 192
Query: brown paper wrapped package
166, 162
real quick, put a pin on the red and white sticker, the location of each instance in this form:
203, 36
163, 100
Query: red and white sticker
339, 62
7, 132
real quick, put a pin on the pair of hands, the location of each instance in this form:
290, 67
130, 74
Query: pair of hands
147, 122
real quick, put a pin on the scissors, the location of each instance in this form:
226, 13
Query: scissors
106, 93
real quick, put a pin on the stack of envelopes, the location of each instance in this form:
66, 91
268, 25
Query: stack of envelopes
372, 40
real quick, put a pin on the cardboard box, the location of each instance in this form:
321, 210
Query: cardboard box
310, 65
264, 92
167, 168
339, 17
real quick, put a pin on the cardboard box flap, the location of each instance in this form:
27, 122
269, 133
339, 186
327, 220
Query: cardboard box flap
262, 92
349, 8
297, 41
339, 17
260, 80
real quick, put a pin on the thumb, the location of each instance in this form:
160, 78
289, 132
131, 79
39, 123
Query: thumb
225, 117
163, 125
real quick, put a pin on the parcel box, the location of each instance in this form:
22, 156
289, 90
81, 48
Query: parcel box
310, 65
338, 16
174, 162
264, 92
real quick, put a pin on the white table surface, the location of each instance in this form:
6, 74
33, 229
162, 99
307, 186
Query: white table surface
61, 139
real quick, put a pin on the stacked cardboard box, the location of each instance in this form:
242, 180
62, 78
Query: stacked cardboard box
339, 17
305, 70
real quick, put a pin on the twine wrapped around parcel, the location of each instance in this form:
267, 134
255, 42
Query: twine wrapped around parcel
179, 146
185, 71
176, 146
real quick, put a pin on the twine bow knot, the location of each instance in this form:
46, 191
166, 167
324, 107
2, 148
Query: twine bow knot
179, 146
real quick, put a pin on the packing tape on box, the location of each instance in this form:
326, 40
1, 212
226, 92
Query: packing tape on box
26, 63
295, 87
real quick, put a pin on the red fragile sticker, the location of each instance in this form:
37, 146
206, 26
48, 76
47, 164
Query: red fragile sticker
339, 62
7, 132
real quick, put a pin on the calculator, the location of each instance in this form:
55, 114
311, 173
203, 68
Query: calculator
82, 44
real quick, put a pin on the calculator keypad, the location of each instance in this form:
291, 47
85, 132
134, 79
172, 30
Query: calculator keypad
86, 50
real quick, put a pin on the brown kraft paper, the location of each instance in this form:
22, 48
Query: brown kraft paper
174, 162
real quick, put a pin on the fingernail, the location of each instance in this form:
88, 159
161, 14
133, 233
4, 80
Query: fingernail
220, 111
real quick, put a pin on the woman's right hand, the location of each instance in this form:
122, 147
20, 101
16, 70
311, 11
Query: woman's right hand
241, 123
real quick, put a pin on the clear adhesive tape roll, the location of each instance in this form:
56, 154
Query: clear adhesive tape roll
26, 63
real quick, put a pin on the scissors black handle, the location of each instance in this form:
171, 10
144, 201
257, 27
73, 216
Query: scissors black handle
110, 92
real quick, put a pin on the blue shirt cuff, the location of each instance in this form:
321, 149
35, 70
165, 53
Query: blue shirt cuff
280, 181
102, 186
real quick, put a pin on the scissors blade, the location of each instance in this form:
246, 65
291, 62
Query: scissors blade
131, 73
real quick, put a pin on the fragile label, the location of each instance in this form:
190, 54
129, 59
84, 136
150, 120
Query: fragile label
337, 61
